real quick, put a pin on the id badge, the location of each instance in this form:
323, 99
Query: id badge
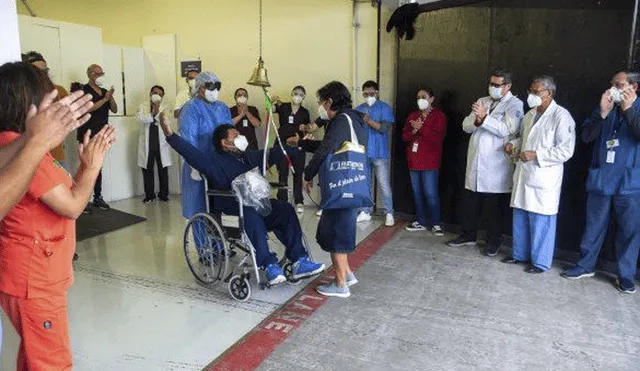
414, 149
245, 123
611, 157
291, 119
613, 143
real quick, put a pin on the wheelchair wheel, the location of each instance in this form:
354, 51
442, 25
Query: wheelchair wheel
239, 288
288, 272
206, 249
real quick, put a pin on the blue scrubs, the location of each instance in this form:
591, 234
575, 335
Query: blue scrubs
198, 120
221, 168
613, 185
534, 237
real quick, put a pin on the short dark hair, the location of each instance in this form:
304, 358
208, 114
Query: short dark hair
32, 57
156, 87
221, 133
21, 85
501, 72
75, 86
300, 87
370, 84
239, 90
338, 93
426, 89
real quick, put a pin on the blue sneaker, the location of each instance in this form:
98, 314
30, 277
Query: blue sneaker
331, 289
576, 273
304, 268
274, 274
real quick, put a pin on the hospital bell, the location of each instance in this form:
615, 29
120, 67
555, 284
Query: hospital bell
259, 76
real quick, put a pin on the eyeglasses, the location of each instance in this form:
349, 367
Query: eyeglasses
212, 85
494, 85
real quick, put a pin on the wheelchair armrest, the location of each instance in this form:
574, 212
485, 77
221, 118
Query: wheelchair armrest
221, 193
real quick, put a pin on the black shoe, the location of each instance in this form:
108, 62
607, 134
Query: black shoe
511, 260
99, 203
534, 270
163, 198
461, 241
148, 200
625, 286
75, 256
492, 250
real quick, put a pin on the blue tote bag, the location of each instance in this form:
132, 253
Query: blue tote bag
344, 176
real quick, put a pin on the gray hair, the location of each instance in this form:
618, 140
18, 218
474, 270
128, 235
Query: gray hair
548, 82
633, 77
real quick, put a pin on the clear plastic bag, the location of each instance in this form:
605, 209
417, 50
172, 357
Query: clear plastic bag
255, 191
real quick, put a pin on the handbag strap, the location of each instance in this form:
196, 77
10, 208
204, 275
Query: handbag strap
354, 137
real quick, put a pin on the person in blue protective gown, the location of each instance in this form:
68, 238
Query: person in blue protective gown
229, 159
199, 118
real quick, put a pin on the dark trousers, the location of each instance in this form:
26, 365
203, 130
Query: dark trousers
149, 178
283, 172
97, 188
488, 207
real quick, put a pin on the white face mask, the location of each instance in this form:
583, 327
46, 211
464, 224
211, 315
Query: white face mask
191, 83
241, 143
100, 81
616, 94
423, 104
156, 98
371, 101
211, 95
495, 92
534, 101
297, 99
322, 112
241, 100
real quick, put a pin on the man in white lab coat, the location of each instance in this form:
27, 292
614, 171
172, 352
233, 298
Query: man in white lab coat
547, 141
493, 122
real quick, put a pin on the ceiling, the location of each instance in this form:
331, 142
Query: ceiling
395, 3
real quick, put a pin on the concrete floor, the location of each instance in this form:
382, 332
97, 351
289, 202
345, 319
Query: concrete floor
135, 305
421, 305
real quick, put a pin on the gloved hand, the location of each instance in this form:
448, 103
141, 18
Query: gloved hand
195, 175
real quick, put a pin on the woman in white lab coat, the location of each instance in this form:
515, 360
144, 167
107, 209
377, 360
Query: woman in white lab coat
153, 147
547, 141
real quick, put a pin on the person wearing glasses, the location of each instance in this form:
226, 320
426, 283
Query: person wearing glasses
547, 140
199, 118
37, 60
379, 118
493, 121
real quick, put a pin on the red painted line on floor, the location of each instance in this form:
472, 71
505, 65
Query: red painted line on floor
248, 353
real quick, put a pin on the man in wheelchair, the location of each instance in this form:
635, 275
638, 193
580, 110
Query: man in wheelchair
231, 159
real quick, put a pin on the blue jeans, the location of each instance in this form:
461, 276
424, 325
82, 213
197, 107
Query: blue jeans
381, 167
426, 196
627, 239
534, 238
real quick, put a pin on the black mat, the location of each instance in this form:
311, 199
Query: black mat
103, 221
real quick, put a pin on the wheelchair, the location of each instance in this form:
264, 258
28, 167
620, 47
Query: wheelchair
217, 249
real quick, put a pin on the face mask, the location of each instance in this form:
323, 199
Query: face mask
241, 100
241, 143
100, 81
616, 94
156, 98
297, 99
322, 112
495, 92
191, 83
423, 104
371, 101
211, 95
534, 101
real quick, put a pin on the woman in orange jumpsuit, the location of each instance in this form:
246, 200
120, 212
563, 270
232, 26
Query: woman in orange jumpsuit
37, 237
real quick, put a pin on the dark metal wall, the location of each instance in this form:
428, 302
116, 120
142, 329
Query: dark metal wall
579, 42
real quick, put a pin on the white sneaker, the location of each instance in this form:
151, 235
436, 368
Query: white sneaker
299, 208
437, 231
389, 221
415, 227
319, 212
363, 217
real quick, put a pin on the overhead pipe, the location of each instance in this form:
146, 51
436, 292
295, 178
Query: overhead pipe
356, 49
632, 41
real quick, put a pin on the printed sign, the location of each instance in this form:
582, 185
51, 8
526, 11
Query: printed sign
188, 66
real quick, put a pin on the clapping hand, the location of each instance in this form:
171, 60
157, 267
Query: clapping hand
479, 110
164, 124
93, 150
293, 141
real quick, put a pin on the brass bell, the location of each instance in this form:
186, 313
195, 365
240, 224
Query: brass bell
259, 76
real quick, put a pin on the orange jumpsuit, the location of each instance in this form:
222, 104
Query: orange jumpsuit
36, 250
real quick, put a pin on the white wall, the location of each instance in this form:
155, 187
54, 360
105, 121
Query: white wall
10, 41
